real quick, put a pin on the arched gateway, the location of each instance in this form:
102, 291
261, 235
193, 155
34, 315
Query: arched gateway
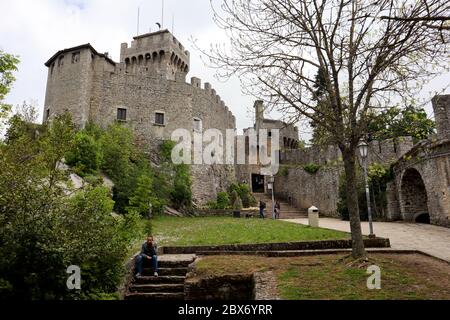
414, 198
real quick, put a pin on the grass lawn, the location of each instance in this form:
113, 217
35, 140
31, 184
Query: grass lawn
329, 277
222, 230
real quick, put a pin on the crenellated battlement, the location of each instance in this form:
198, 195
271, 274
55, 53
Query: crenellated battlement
384, 152
158, 52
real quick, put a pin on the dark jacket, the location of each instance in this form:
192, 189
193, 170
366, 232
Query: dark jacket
149, 252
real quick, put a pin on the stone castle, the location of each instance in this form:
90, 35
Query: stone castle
147, 91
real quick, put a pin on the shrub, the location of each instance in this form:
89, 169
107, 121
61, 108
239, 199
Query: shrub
237, 204
85, 155
312, 168
181, 194
223, 201
284, 171
243, 191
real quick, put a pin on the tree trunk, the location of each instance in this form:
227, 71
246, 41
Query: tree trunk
358, 250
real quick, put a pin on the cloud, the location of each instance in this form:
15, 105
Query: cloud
35, 30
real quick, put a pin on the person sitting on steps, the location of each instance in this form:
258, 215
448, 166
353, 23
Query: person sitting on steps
148, 252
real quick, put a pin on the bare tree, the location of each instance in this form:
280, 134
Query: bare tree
277, 47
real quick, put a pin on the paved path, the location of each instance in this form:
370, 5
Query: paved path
430, 239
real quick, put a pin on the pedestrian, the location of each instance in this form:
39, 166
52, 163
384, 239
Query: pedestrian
262, 206
277, 210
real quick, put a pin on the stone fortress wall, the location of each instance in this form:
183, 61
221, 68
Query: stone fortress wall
148, 82
322, 188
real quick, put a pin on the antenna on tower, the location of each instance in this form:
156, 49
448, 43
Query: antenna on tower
138, 16
162, 14
173, 23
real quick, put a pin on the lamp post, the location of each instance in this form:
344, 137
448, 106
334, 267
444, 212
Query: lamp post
271, 184
364, 151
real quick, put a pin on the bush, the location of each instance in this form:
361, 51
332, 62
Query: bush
312, 168
181, 194
85, 155
243, 191
237, 204
223, 201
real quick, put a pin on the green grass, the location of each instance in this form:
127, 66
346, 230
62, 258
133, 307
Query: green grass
172, 231
331, 277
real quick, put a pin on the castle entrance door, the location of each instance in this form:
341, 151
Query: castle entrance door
258, 183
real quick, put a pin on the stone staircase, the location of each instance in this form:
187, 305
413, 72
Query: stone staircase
168, 286
287, 211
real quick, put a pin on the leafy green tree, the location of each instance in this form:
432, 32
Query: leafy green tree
401, 122
85, 155
118, 148
143, 198
181, 194
8, 65
92, 241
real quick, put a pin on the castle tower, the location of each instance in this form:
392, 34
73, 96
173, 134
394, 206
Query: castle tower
157, 53
69, 83
441, 106
259, 114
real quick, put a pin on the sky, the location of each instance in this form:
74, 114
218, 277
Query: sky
36, 29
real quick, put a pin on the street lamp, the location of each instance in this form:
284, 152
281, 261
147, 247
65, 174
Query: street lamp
364, 151
271, 186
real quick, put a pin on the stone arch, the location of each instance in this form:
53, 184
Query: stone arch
140, 59
414, 197
162, 55
186, 69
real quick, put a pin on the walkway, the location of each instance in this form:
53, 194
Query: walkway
429, 239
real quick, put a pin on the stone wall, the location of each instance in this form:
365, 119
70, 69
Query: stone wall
322, 188
441, 106
227, 287
422, 182
306, 190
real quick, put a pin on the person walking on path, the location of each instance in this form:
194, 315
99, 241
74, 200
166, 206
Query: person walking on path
262, 206
277, 210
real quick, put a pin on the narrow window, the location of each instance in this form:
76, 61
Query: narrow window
75, 57
61, 61
122, 114
198, 127
159, 118
47, 114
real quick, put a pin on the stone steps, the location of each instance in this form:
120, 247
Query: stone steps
158, 288
155, 296
161, 279
168, 286
287, 211
166, 272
